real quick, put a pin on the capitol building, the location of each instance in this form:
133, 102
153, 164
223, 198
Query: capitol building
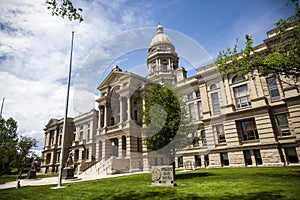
245, 120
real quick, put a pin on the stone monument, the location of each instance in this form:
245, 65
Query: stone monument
32, 172
163, 176
68, 171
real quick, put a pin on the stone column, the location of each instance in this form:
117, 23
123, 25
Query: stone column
100, 117
129, 109
105, 116
121, 109
120, 154
45, 139
128, 147
80, 156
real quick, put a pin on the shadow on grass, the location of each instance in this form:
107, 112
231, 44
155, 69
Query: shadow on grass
257, 195
192, 175
173, 195
170, 194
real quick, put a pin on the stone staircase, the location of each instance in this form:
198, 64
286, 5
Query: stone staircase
102, 168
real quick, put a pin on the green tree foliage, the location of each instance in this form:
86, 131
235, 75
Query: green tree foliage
13, 150
280, 59
8, 143
24, 149
64, 8
166, 124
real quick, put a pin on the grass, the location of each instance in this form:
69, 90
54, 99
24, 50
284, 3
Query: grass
9, 178
224, 183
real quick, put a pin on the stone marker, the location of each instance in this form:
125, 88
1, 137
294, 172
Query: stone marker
162, 176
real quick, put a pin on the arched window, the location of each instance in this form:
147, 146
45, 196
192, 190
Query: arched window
213, 87
237, 78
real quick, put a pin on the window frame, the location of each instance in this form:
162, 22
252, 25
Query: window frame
215, 103
273, 87
279, 127
218, 133
243, 133
199, 109
224, 162
240, 99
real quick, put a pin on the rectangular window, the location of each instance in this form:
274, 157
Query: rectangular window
219, 130
291, 155
206, 160
60, 137
48, 158
215, 103
88, 134
197, 161
57, 156
51, 137
273, 88
180, 161
195, 142
192, 111
81, 135
224, 159
247, 157
199, 108
198, 96
139, 144
87, 153
247, 129
282, 124
76, 155
164, 66
257, 156
242, 98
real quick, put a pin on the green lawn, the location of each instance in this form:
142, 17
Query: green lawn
224, 183
9, 178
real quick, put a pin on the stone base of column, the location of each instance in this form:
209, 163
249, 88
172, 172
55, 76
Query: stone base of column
68, 173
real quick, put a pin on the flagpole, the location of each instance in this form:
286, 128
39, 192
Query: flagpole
2, 107
65, 120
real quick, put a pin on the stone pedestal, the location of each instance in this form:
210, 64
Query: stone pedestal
31, 174
68, 173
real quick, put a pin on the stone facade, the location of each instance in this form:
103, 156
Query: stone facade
246, 121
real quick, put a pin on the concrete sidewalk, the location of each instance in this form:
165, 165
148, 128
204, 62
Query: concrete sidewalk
54, 180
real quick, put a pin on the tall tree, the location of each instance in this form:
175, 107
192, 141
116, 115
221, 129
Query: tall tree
281, 59
167, 127
65, 8
8, 143
24, 149
13, 150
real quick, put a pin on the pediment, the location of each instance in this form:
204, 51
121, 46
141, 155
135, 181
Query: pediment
51, 122
112, 78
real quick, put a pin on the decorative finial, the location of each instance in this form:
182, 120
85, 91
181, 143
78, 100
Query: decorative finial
159, 29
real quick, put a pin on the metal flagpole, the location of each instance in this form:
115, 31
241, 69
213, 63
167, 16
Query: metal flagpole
65, 120
2, 107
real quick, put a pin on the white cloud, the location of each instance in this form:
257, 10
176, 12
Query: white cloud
34, 57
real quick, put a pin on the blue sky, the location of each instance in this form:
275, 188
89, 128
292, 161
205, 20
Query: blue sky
35, 47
